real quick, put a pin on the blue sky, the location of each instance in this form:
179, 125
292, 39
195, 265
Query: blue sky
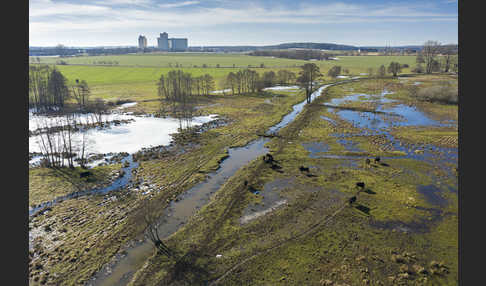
231, 22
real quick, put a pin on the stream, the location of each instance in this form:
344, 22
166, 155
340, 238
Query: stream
188, 203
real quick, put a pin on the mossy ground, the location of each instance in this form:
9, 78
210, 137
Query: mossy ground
386, 237
46, 184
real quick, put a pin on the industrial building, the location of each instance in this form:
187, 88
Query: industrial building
142, 42
172, 44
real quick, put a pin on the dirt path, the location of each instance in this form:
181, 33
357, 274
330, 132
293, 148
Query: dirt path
314, 227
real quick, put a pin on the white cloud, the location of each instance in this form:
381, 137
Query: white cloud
178, 4
46, 17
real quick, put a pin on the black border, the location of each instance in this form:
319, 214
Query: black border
15, 119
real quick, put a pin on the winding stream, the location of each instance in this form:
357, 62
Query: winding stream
182, 209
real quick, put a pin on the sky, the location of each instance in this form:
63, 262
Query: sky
88, 23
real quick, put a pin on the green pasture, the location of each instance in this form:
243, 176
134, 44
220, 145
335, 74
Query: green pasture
190, 60
136, 75
185, 60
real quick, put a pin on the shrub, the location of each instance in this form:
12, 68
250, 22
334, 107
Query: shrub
443, 93
418, 69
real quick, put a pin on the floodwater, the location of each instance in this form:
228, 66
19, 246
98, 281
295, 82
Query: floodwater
283, 87
380, 124
142, 132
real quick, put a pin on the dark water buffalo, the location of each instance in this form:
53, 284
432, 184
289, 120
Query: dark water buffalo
85, 174
303, 169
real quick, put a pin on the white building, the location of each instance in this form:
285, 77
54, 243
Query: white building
178, 44
172, 44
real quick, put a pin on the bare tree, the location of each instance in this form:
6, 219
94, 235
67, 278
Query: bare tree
152, 232
370, 72
98, 108
307, 76
381, 71
430, 51
81, 93
394, 68
447, 58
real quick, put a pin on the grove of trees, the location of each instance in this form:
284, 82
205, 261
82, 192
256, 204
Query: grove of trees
47, 88
437, 58
247, 80
178, 89
334, 71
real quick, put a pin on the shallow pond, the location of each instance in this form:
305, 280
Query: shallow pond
143, 132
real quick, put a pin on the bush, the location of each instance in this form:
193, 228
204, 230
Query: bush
418, 69
443, 93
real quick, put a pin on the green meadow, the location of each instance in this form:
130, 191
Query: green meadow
136, 75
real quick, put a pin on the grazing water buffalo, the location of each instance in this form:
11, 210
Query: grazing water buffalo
377, 159
268, 158
303, 169
85, 174
352, 200
360, 184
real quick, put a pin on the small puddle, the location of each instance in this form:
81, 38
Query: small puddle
432, 195
349, 145
315, 148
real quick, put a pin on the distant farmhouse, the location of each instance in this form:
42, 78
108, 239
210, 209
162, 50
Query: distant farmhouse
172, 44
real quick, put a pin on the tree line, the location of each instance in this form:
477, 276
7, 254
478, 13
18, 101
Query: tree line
247, 80
293, 54
178, 88
435, 57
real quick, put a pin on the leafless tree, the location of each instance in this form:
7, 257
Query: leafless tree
98, 108
394, 68
430, 51
370, 72
81, 93
307, 76
381, 71
152, 233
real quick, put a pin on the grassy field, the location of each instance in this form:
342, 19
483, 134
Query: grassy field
190, 60
185, 60
136, 76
